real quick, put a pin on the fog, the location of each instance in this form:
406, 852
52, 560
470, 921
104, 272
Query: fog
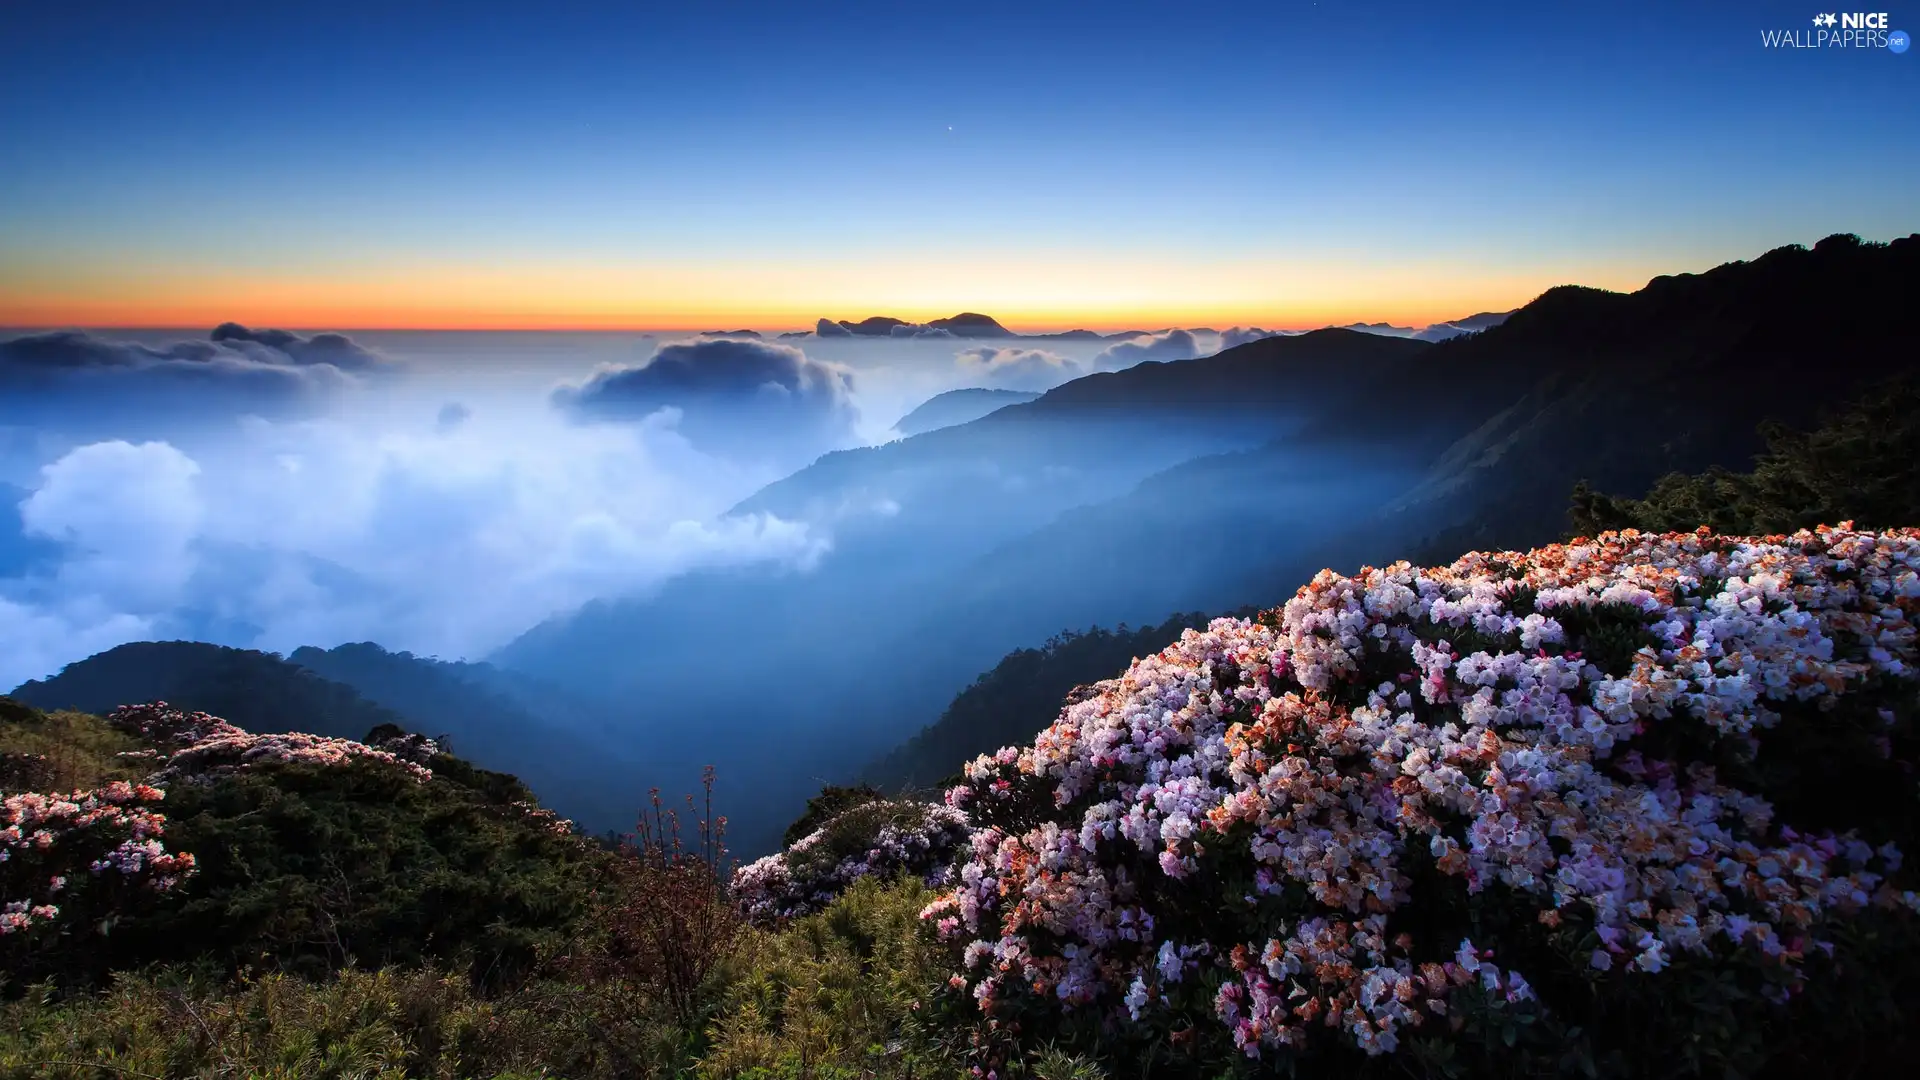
662, 529
434, 492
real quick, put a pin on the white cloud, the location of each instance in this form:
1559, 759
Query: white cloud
1242, 335
442, 541
128, 515
1016, 368
741, 397
1169, 345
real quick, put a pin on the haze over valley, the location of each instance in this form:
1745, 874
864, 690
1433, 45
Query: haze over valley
640, 540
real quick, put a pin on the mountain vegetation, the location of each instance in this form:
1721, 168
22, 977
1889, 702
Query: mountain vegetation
1858, 466
1259, 466
1626, 791
1017, 698
1588, 810
183, 898
556, 744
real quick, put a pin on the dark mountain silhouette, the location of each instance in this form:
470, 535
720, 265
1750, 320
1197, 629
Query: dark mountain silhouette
580, 765
1068, 335
1480, 321
967, 324
348, 691
970, 324
1258, 465
259, 691
958, 407
1622, 388
874, 326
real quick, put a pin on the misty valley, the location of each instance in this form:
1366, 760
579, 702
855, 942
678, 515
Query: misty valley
845, 657
883, 579
992, 542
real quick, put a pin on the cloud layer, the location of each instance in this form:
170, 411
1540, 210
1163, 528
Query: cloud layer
755, 399
445, 541
1242, 335
1168, 345
1017, 368
84, 382
337, 350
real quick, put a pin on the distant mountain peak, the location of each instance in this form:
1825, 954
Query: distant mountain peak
971, 324
967, 324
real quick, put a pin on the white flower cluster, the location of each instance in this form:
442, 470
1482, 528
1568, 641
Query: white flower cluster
1321, 748
201, 746
543, 818
205, 746
889, 838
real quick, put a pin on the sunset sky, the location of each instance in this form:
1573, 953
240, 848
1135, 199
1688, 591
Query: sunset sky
638, 165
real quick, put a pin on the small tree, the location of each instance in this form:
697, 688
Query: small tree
668, 923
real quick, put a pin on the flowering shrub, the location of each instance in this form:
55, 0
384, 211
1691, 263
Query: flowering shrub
306, 853
208, 746
1468, 799
74, 863
879, 838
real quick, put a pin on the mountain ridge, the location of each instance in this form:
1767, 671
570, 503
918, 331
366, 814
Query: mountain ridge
1238, 457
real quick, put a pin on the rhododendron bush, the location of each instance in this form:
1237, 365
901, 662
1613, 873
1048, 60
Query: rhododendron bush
881, 838
204, 746
276, 850
1646, 781
74, 863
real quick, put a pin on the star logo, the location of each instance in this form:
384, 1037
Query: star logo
1825, 20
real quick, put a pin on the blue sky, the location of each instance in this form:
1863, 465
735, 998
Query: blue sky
428, 164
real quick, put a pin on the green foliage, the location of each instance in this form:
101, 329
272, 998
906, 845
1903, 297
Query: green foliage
852, 833
831, 802
357, 1025
1861, 466
310, 869
362, 1024
62, 751
841, 993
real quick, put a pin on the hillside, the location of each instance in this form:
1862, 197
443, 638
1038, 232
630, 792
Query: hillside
946, 564
1623, 388
258, 691
589, 771
1264, 463
348, 691
1727, 894
958, 407
1862, 465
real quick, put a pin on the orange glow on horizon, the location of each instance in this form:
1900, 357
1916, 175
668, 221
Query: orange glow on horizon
1027, 296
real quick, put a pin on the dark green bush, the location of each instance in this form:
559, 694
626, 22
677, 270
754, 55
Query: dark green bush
310, 869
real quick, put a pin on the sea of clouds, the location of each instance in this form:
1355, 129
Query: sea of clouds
436, 492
